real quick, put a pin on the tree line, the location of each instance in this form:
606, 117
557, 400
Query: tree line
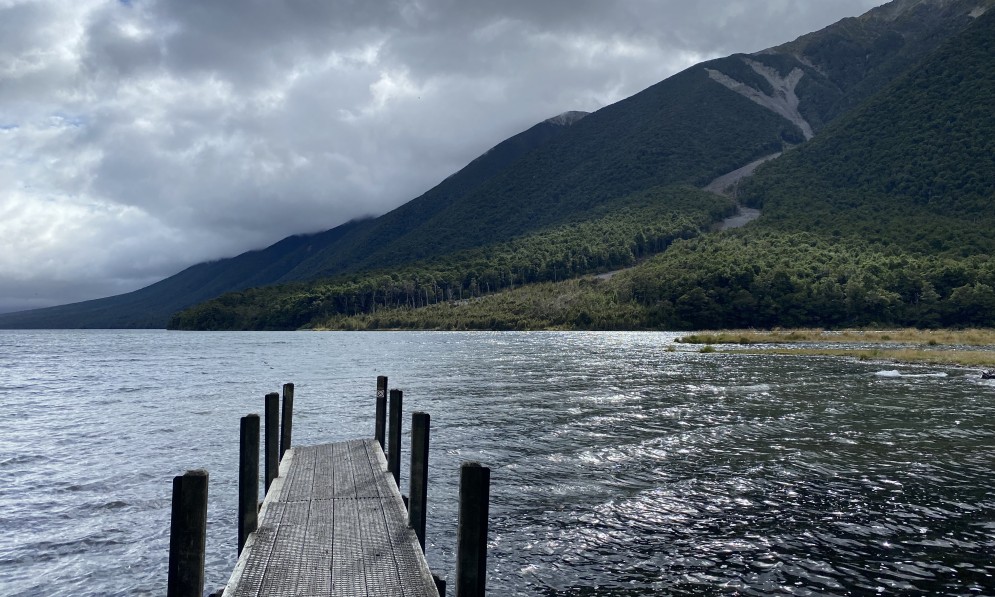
640, 225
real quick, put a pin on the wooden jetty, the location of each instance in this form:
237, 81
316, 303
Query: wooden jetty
333, 521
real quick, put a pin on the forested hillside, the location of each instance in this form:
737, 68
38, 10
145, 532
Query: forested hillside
859, 56
914, 167
684, 130
740, 279
600, 239
886, 218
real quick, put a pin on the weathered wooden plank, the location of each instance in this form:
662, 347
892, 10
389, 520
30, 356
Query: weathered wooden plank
316, 575
347, 574
343, 481
409, 558
284, 565
324, 473
369, 474
333, 523
300, 478
252, 573
377, 553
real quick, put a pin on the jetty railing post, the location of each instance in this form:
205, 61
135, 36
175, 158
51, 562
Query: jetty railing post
471, 534
418, 480
440, 585
287, 422
248, 478
380, 428
394, 436
272, 437
187, 535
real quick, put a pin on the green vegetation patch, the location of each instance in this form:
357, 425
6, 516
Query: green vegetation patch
600, 239
944, 337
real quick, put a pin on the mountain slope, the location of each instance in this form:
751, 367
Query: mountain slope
151, 307
913, 167
351, 252
859, 56
886, 219
684, 130
601, 239
687, 129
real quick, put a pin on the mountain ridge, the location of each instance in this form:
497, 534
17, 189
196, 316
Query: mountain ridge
885, 219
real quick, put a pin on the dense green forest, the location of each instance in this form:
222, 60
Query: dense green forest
857, 57
738, 279
913, 167
600, 239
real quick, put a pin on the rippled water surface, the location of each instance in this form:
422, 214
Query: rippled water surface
619, 466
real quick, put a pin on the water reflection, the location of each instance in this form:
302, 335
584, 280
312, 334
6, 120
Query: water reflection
718, 474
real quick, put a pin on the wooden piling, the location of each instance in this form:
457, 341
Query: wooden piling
471, 534
440, 585
394, 436
380, 427
272, 437
188, 535
418, 475
287, 421
248, 478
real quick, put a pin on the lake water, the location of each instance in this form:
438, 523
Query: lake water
619, 467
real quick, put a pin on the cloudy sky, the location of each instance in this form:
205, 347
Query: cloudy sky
138, 137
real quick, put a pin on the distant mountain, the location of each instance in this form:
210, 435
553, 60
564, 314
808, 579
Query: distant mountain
690, 129
151, 307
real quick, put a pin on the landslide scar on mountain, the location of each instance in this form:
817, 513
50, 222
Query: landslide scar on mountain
726, 184
784, 102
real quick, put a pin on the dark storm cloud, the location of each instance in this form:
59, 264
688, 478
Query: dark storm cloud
138, 138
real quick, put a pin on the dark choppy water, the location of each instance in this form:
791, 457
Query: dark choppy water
618, 467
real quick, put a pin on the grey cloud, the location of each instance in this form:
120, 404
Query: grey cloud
116, 46
187, 131
22, 27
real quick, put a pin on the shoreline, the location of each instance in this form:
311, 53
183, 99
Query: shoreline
969, 348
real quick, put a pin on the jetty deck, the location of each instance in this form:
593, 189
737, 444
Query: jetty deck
333, 523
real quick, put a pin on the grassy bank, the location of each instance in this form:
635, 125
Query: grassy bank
934, 347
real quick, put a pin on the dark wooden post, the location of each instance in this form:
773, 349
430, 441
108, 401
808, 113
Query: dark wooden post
188, 535
287, 422
418, 480
471, 534
394, 436
248, 478
380, 428
440, 585
272, 437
